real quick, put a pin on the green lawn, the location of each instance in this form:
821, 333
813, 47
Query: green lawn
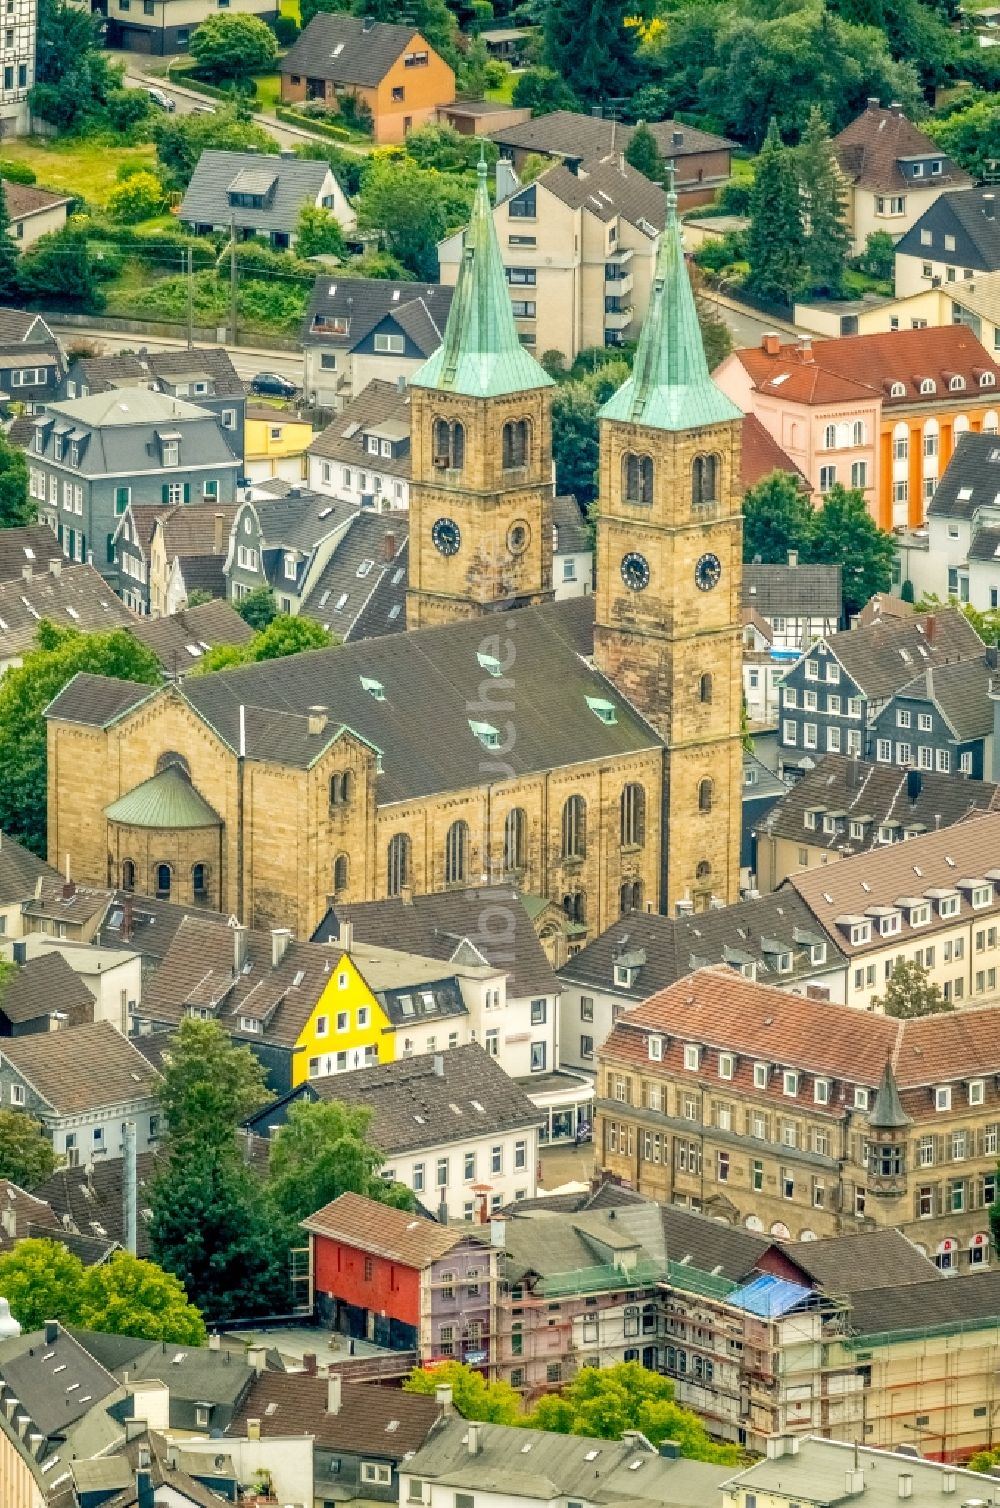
83, 167
502, 94
268, 91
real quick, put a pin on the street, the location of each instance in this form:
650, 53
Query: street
247, 362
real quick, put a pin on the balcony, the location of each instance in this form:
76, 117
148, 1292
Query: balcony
617, 284
619, 318
619, 258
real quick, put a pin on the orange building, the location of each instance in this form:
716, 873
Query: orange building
389, 68
879, 412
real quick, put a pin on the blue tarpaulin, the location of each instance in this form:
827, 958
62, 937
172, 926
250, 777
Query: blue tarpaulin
769, 1297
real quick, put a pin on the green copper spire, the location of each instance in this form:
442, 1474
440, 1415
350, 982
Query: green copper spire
670, 387
481, 355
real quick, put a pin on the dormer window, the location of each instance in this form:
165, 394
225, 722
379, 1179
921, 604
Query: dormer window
942, 1097
39, 441
987, 379
291, 568
889, 925
936, 168
817, 952
488, 736
790, 1082
656, 1050
692, 1057
920, 916
603, 709
725, 1065
928, 385
860, 1098
897, 390
821, 1091
956, 384
948, 905
861, 932
171, 452
977, 1092
74, 453
982, 895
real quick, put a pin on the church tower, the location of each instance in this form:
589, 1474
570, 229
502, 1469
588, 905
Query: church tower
669, 566
481, 451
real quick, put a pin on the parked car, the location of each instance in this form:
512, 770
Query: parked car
273, 385
162, 100
202, 109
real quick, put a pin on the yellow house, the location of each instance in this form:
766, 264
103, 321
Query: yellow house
274, 444
975, 303
347, 1028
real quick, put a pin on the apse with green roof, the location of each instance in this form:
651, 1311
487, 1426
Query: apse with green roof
670, 386
165, 839
481, 354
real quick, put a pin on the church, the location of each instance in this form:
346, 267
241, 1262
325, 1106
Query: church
587, 751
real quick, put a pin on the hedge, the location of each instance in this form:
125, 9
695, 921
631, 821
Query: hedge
190, 79
311, 123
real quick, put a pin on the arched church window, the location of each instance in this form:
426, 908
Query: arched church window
575, 906
515, 831
705, 479
705, 794
163, 878
456, 853
199, 881
637, 478
398, 871
516, 443
705, 688
633, 815
574, 828
341, 872
449, 444
630, 896
128, 874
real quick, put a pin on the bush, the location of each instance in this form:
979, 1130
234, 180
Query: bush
319, 122
16, 172
233, 47
354, 112
138, 197
286, 29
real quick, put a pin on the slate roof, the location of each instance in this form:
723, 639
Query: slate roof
197, 1374
787, 591
962, 215
412, 1104
144, 924
917, 1306
570, 526
175, 639
607, 187
870, 147
43, 985
398, 1235
78, 597
429, 680
118, 426
366, 52
81, 1068
862, 1260
985, 544
761, 454
663, 949
32, 546
24, 199
567, 133
366, 302
360, 593
971, 480
444, 924
24, 326
884, 657
961, 692
299, 519
20, 870
296, 181
39, 1373
878, 794
343, 439
385, 1423
850, 367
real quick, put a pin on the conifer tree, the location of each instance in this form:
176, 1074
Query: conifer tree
824, 206
776, 239
8, 253
590, 47
643, 154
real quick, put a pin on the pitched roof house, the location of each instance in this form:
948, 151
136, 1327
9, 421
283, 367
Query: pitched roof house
73, 596
28, 548
893, 170
181, 639
391, 69
363, 455
956, 238
188, 545
359, 329
260, 195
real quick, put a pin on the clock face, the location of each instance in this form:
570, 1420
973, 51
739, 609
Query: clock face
635, 571
447, 536
708, 572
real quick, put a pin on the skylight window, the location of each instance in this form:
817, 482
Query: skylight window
490, 663
605, 710
486, 733
374, 688
365, 567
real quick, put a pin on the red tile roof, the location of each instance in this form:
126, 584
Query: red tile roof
856, 367
761, 454
412, 1240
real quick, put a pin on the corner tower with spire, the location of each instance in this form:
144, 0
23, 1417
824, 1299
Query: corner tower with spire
481, 428
669, 569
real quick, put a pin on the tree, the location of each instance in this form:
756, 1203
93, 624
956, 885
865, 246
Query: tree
42, 1280
26, 1155
474, 1397
431, 18
845, 534
575, 446
258, 608
588, 44
8, 254
825, 208
233, 47
406, 203
181, 139
777, 517
210, 1085
910, 992
310, 8
542, 90
283, 636
138, 197
59, 268
776, 239
319, 233
16, 507
878, 259
324, 1151
971, 136
26, 691
643, 153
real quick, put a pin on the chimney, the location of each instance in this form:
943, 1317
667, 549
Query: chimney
333, 1399
368, 24
51, 1332
55, 566
930, 627
26, 572
508, 182
389, 545
172, 1457
770, 343
445, 1398
906, 1484
317, 721
220, 524
347, 936
990, 206
400, 383
8, 1221
948, 1480
873, 102
144, 1490
257, 1358
475, 1440
280, 938
806, 348
406, 894
239, 947
309, 1364
793, 557
677, 138
253, 1429
854, 1482
439, 1065
896, 107
215, 1341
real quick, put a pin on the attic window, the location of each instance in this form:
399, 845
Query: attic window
490, 664
337, 50
897, 390
956, 384
603, 709
928, 385
987, 379
373, 688
365, 567
486, 733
